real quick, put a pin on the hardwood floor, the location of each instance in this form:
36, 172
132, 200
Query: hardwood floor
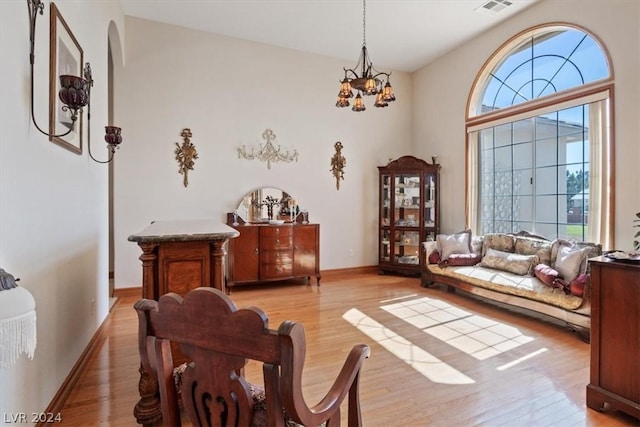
437, 358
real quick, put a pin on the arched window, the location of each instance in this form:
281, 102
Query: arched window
539, 146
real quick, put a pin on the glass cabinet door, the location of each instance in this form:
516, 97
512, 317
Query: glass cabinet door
407, 200
385, 198
430, 207
407, 247
385, 246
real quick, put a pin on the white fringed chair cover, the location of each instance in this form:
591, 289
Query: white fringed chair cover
17, 325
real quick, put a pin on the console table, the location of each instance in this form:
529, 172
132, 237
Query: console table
615, 336
177, 256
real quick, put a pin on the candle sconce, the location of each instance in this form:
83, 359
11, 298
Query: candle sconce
74, 92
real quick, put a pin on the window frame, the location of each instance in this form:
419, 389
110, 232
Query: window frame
584, 94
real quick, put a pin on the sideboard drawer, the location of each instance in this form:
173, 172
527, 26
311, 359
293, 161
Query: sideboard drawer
276, 231
277, 257
276, 271
276, 243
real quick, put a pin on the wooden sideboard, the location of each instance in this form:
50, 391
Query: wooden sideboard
615, 336
177, 256
264, 253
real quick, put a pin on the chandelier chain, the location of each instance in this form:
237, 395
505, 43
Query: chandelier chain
364, 22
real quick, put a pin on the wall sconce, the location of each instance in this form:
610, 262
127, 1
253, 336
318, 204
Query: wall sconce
74, 93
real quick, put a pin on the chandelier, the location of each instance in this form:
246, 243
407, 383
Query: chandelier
368, 82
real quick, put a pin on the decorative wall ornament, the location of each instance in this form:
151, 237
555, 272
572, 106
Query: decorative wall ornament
338, 162
268, 152
186, 155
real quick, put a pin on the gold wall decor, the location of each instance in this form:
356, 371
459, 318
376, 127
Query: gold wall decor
338, 162
268, 152
186, 155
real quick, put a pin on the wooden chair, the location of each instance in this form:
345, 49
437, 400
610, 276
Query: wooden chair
217, 339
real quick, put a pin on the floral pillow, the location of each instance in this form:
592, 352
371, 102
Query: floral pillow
507, 261
458, 243
498, 241
534, 246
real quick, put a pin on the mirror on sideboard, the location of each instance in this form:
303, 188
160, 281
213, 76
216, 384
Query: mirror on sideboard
268, 203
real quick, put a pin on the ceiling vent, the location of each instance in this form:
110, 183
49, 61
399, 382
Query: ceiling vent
495, 6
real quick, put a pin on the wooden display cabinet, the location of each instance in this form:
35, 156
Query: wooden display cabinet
408, 213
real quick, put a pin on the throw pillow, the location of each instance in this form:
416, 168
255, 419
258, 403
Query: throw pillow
498, 241
578, 284
461, 260
434, 257
546, 274
571, 261
532, 246
507, 261
458, 243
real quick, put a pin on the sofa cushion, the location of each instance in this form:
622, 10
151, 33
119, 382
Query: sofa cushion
507, 261
534, 246
512, 284
570, 260
476, 244
498, 241
458, 243
546, 274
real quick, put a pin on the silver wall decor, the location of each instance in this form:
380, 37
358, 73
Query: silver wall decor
268, 152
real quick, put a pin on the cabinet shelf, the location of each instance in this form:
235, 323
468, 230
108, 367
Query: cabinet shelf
408, 213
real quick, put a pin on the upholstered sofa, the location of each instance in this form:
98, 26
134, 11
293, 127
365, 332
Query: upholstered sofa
521, 270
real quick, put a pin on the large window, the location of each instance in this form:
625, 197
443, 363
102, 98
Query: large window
539, 145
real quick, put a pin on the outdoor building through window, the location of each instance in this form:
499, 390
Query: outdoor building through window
539, 146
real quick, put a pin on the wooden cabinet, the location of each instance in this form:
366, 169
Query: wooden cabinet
615, 336
408, 213
178, 256
265, 252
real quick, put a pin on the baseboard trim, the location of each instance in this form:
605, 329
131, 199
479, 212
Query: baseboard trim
128, 292
96, 342
368, 269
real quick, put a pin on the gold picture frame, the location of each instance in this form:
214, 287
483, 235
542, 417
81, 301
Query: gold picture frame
65, 57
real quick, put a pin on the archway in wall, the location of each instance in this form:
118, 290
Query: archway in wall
115, 62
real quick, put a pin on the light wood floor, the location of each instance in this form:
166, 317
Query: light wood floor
507, 370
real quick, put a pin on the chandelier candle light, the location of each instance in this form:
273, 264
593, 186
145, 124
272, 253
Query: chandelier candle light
368, 82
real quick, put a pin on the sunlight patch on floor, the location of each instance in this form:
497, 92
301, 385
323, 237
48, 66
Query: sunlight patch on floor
520, 359
423, 362
474, 335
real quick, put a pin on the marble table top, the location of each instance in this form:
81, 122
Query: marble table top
183, 231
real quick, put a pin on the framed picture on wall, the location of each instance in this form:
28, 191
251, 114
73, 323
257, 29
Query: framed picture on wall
65, 57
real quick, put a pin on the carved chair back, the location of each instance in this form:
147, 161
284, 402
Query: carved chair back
217, 339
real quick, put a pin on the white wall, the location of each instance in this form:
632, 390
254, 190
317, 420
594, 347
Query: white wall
53, 203
228, 91
442, 88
